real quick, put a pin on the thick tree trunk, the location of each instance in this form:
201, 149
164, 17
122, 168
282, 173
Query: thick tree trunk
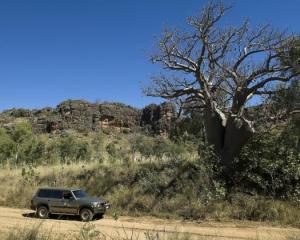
228, 136
237, 132
215, 123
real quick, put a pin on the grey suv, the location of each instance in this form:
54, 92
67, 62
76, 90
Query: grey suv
65, 201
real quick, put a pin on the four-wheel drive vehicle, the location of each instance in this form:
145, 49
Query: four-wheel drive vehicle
67, 202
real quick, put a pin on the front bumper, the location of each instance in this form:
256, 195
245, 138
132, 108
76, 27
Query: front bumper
101, 209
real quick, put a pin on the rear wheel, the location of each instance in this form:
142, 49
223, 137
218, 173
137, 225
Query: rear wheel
86, 215
42, 212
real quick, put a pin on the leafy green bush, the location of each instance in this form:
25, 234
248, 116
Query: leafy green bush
29, 174
269, 166
112, 150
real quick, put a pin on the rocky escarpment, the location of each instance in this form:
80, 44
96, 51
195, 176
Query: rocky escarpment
158, 118
81, 115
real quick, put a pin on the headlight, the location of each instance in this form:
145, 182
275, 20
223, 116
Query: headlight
95, 204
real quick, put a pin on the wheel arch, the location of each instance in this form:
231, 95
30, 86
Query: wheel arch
42, 205
85, 206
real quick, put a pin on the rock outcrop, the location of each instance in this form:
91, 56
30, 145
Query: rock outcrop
158, 119
81, 115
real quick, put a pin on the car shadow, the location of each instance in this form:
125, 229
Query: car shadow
29, 215
58, 217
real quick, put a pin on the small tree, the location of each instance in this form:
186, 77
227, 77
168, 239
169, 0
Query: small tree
21, 134
7, 147
219, 70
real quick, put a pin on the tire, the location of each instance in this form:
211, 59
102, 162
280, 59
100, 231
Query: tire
86, 215
42, 212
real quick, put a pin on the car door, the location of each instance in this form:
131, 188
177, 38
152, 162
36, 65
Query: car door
56, 202
70, 204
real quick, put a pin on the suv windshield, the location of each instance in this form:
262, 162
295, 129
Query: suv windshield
79, 193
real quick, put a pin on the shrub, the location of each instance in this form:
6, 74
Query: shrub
7, 147
112, 150
267, 166
72, 149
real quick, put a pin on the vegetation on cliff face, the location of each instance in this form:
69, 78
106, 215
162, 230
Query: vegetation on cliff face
84, 116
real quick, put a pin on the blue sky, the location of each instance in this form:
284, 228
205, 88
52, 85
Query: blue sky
52, 50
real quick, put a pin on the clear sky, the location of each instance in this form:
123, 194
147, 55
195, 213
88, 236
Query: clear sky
52, 50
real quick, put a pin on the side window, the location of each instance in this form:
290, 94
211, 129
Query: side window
44, 193
67, 195
56, 194
48, 193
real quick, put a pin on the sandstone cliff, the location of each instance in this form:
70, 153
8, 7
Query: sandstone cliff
81, 115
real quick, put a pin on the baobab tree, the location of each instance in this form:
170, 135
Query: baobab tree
220, 68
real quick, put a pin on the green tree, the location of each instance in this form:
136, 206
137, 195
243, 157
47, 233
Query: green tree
270, 165
21, 134
7, 147
72, 149
33, 151
142, 144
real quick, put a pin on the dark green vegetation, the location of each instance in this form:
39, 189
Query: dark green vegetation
77, 130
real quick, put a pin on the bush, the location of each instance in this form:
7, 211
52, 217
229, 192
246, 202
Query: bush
270, 167
7, 147
72, 149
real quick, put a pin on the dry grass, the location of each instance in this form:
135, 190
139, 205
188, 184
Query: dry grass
128, 196
89, 232
13, 182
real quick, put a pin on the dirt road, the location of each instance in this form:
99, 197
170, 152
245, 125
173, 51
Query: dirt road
19, 218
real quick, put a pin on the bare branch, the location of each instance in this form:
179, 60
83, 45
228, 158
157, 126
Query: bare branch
261, 84
225, 66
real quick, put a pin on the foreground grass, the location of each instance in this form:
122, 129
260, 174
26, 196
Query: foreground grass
89, 232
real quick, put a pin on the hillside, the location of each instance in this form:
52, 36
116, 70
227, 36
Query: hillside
83, 116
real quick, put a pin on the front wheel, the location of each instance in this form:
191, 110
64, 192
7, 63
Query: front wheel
42, 212
86, 215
